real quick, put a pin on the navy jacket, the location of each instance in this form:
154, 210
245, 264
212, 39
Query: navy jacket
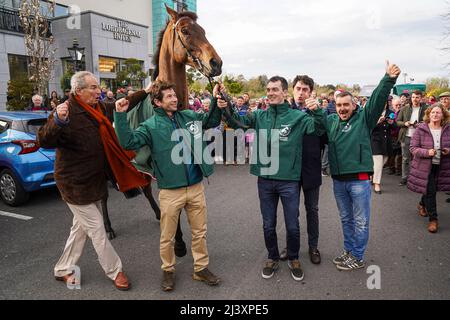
312, 159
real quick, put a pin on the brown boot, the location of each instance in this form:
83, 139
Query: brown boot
422, 211
433, 226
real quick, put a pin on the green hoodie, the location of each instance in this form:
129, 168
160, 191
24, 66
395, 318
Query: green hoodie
291, 126
350, 150
157, 133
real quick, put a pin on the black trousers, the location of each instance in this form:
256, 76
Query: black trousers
429, 199
312, 216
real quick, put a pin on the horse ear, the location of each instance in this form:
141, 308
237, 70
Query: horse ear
172, 13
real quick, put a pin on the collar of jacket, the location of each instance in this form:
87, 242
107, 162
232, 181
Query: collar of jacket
279, 108
163, 113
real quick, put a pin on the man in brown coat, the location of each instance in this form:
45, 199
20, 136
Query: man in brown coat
84, 160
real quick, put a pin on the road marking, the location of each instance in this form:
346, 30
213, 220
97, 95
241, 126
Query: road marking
13, 215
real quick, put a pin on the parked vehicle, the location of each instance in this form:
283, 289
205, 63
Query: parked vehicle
24, 166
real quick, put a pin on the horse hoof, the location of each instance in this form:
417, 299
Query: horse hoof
180, 249
111, 235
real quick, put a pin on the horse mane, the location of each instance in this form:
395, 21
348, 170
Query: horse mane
159, 42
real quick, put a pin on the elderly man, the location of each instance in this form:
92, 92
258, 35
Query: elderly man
87, 151
37, 104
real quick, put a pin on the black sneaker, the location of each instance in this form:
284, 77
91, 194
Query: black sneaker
351, 264
296, 270
314, 256
168, 281
206, 276
325, 173
448, 200
341, 258
403, 183
284, 255
269, 269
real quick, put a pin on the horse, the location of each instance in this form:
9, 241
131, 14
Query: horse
181, 43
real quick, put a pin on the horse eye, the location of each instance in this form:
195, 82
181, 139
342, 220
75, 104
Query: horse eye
185, 31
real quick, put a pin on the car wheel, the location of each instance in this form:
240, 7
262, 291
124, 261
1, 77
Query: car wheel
11, 190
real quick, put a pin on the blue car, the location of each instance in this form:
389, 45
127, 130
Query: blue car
24, 166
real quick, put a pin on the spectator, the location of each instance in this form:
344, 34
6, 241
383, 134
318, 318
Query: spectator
445, 100
110, 97
408, 120
206, 103
37, 104
381, 142
395, 161
66, 96
404, 99
331, 109
430, 169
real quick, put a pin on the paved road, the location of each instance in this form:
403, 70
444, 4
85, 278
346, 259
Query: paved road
414, 264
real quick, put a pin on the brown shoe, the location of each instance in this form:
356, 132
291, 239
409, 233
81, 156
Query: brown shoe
121, 282
168, 281
433, 226
206, 276
422, 211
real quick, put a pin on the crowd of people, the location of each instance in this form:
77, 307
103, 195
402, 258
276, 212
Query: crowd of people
348, 138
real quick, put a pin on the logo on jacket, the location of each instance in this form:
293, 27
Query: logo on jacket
284, 133
347, 128
193, 128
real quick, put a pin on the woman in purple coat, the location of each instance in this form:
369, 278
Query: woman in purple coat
430, 169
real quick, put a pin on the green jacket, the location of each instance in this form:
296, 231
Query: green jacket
290, 125
157, 134
350, 150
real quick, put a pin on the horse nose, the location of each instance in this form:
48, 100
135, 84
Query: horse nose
216, 67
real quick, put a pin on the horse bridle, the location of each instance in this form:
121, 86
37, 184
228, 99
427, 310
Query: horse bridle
201, 68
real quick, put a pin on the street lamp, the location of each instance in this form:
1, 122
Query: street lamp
77, 54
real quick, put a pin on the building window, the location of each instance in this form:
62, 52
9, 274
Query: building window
180, 5
18, 66
108, 65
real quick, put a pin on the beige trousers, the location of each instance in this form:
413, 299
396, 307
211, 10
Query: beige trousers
379, 162
192, 199
88, 222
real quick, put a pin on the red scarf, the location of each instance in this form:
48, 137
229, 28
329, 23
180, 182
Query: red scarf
126, 175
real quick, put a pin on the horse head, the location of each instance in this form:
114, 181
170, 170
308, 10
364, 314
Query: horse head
190, 45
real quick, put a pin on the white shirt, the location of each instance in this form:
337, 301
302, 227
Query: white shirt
437, 145
414, 118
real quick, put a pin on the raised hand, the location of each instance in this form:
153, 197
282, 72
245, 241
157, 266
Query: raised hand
392, 70
312, 104
122, 105
63, 111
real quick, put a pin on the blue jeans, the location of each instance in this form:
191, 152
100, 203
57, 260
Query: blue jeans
270, 191
353, 199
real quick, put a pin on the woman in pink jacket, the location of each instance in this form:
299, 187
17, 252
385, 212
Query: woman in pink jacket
430, 168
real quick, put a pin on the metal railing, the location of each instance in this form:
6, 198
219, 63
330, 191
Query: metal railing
10, 21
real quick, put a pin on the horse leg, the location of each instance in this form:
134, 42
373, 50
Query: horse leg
107, 223
148, 194
180, 245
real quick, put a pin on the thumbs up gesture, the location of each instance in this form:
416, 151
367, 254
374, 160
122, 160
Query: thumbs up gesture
392, 70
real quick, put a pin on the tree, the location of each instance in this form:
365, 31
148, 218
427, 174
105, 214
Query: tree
20, 91
65, 80
132, 74
39, 41
437, 83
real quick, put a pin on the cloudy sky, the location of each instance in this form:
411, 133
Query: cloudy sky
345, 41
